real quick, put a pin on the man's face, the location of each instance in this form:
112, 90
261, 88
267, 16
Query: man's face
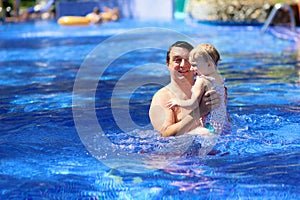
179, 65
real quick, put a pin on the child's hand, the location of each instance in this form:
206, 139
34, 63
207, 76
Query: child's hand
195, 71
172, 103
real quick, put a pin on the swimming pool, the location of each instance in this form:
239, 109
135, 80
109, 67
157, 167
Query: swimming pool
43, 155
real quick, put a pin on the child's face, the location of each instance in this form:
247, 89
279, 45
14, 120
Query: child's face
201, 67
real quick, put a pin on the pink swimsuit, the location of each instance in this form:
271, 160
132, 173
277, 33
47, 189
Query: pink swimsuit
217, 120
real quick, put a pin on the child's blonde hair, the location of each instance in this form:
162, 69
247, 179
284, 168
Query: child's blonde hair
208, 51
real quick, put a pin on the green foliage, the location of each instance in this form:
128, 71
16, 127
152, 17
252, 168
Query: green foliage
24, 3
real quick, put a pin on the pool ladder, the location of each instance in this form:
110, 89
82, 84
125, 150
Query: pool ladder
274, 11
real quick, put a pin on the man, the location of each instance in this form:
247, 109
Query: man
178, 121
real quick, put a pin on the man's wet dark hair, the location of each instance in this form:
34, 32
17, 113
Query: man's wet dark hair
181, 44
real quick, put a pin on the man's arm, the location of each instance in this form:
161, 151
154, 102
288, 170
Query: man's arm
210, 100
165, 120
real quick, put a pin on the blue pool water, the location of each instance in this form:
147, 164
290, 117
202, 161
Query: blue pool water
52, 77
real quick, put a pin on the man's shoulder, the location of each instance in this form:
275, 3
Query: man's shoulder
161, 95
161, 90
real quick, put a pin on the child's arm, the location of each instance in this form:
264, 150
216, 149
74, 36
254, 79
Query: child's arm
192, 103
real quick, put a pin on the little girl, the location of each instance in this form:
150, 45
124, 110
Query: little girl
204, 61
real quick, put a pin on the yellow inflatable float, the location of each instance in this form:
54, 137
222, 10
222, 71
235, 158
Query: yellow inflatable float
74, 21
92, 18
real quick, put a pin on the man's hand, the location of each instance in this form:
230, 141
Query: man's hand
172, 103
210, 100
